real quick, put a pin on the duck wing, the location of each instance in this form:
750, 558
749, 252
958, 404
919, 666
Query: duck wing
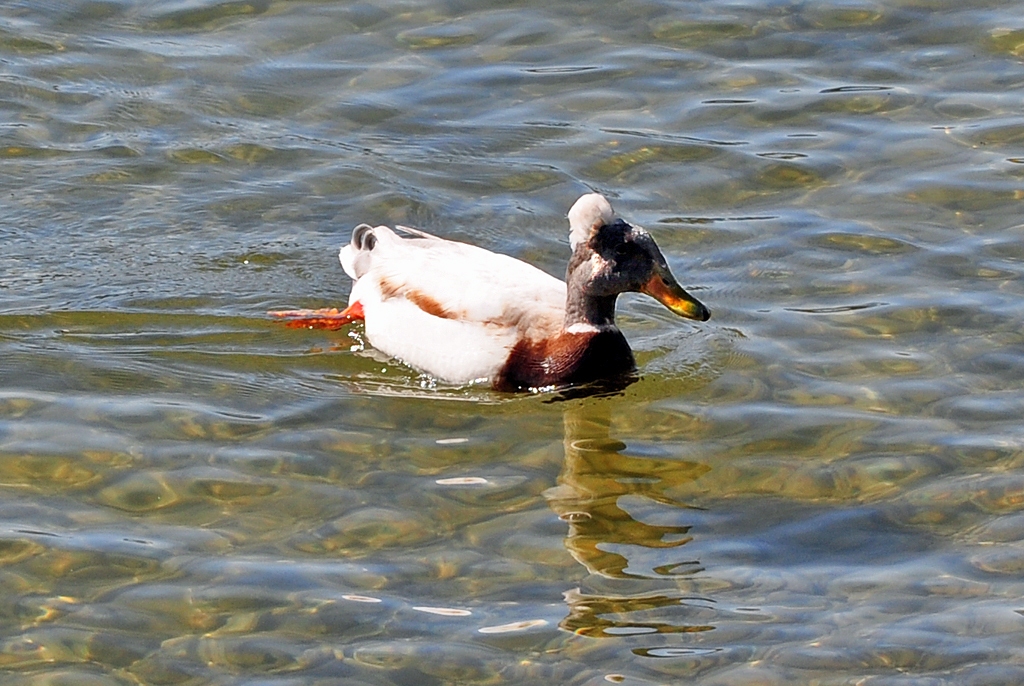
452, 280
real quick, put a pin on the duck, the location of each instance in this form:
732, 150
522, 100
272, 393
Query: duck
465, 315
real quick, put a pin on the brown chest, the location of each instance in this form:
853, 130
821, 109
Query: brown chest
568, 358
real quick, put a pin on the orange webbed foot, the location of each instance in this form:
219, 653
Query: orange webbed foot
330, 318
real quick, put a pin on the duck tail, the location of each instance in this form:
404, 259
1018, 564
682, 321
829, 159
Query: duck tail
363, 238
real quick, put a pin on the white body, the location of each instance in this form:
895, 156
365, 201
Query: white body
450, 309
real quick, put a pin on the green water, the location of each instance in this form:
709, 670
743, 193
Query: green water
822, 484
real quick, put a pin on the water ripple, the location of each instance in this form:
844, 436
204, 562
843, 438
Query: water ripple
819, 483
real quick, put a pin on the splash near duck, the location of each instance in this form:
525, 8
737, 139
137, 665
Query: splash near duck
463, 314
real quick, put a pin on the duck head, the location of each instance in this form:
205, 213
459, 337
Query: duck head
611, 256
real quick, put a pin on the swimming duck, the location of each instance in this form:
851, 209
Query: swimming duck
463, 314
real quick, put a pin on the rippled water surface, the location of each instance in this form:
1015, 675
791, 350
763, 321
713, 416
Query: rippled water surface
823, 484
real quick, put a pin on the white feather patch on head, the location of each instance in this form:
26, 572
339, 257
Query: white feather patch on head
589, 212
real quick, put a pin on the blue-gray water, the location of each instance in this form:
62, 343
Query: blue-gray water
823, 484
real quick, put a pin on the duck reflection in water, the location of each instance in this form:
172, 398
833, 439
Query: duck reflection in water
596, 476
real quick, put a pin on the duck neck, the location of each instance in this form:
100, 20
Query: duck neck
590, 312
584, 308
